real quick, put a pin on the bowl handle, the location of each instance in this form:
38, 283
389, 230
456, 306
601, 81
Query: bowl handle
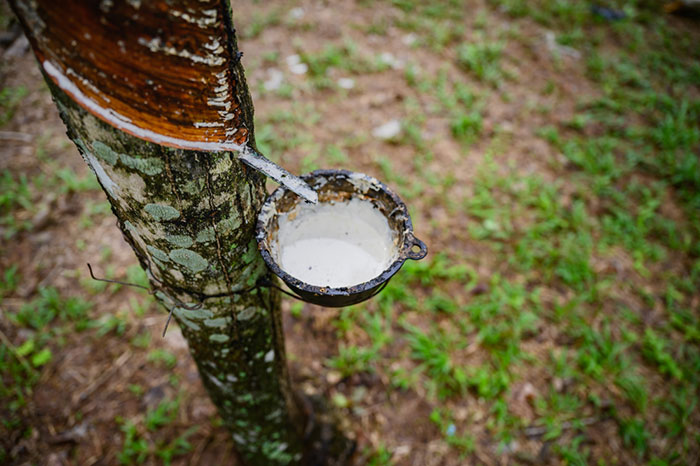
413, 243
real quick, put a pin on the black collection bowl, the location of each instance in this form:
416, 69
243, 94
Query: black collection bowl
332, 186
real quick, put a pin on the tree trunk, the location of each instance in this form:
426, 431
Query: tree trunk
188, 215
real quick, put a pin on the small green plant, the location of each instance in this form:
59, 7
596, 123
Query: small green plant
599, 352
108, 323
137, 390
260, 22
41, 311
142, 340
634, 434
572, 453
353, 359
162, 415
515, 8
10, 280
381, 456
482, 58
135, 448
10, 98
135, 274
296, 309
344, 57
177, 447
15, 194
164, 357
432, 351
467, 126
634, 388
654, 349
42, 357
70, 182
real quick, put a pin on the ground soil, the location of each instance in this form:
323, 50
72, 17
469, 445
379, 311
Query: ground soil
85, 387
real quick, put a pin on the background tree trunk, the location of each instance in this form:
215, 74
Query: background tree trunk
188, 215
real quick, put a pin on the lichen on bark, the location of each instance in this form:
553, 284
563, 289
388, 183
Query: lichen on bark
200, 242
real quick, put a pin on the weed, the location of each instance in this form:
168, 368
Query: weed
353, 359
515, 8
178, 446
344, 57
677, 411
654, 349
111, 323
432, 351
296, 309
634, 388
42, 357
41, 311
9, 282
70, 182
15, 194
161, 415
260, 22
572, 454
142, 340
135, 274
137, 390
10, 99
634, 434
135, 448
599, 352
466, 127
483, 59
381, 456
404, 379
164, 357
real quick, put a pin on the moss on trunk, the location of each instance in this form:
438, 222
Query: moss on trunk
190, 216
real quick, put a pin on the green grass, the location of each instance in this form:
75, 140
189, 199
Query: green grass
483, 59
585, 255
15, 194
47, 318
164, 357
20, 193
343, 57
573, 269
10, 99
142, 438
260, 22
432, 352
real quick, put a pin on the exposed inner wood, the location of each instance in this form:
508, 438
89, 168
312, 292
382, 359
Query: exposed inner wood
172, 79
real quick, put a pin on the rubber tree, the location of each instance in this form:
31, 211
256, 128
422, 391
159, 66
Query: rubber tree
146, 89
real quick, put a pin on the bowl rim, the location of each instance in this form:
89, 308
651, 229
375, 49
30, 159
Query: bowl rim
406, 252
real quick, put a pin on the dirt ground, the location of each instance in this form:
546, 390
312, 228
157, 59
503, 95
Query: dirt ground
97, 382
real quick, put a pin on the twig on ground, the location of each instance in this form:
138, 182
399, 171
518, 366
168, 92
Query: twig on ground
15, 136
121, 360
536, 431
199, 449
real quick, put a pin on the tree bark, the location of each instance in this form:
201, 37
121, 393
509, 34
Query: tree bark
188, 215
